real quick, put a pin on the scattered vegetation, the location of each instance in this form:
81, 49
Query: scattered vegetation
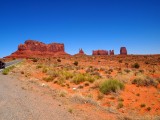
90, 77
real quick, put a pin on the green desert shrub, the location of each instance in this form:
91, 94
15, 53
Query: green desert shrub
120, 105
7, 70
148, 108
79, 78
143, 105
76, 63
120, 61
48, 79
39, 66
67, 75
111, 86
34, 59
51, 76
58, 60
127, 70
82, 77
61, 81
135, 65
44, 70
90, 79
158, 80
55, 74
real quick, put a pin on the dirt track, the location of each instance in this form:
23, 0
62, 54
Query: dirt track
17, 103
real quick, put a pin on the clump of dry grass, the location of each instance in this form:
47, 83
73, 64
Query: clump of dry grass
78, 98
145, 81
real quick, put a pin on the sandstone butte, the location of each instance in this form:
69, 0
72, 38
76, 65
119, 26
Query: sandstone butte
99, 52
111, 52
102, 52
123, 51
33, 48
81, 52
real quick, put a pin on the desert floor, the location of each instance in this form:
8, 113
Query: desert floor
73, 87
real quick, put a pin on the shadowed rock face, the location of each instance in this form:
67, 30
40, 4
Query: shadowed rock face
99, 52
33, 48
123, 51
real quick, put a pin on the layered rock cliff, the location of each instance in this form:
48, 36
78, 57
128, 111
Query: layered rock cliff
99, 52
33, 48
103, 52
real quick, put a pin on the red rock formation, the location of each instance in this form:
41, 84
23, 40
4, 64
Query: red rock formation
81, 52
111, 52
32, 48
123, 51
99, 52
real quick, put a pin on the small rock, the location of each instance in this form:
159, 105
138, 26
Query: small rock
43, 85
74, 88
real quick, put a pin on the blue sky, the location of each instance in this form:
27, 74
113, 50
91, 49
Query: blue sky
86, 24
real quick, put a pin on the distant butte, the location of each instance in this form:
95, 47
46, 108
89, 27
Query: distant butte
123, 51
81, 52
102, 52
111, 52
33, 48
99, 52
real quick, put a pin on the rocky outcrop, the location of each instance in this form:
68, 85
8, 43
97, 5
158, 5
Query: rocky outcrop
99, 52
81, 52
123, 51
32, 48
111, 52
